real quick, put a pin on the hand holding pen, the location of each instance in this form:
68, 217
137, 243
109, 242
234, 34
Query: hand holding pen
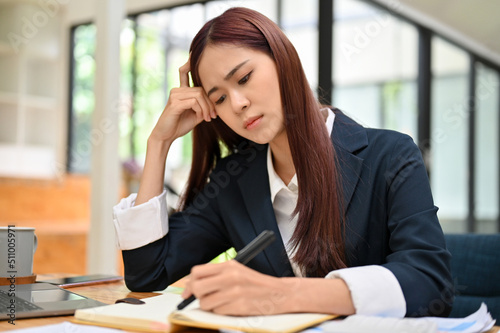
244, 256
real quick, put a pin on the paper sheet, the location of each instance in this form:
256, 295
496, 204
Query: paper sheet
66, 327
479, 321
372, 324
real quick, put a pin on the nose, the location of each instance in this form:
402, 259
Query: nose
239, 102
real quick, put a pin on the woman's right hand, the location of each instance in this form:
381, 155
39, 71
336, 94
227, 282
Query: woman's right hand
186, 107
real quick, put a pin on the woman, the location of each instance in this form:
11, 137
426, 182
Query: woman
353, 207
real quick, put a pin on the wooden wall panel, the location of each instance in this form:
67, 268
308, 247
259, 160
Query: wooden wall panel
59, 210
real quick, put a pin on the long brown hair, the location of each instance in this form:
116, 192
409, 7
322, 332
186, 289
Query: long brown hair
318, 236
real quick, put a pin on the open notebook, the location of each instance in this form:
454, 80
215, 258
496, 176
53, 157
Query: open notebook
160, 314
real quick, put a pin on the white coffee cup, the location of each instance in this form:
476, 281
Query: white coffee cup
17, 248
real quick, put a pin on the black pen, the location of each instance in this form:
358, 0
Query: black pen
243, 256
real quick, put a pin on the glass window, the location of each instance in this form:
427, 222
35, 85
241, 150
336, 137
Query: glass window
400, 106
375, 57
82, 98
364, 110
153, 46
487, 141
300, 23
182, 25
150, 69
127, 61
449, 133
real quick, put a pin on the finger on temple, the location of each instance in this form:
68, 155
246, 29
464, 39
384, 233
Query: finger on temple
184, 74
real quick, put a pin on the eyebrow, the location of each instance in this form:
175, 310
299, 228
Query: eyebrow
228, 76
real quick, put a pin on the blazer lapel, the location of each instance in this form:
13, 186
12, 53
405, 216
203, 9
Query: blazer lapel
348, 137
254, 185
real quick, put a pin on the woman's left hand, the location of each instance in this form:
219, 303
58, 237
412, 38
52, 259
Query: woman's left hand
231, 288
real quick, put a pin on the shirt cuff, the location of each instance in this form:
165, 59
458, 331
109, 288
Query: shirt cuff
136, 226
375, 291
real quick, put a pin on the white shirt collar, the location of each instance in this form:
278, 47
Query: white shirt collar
275, 182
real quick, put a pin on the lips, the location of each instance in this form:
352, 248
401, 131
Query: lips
252, 122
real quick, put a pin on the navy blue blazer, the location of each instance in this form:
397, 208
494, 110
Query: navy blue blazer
390, 219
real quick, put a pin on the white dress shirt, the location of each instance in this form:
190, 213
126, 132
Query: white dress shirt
374, 289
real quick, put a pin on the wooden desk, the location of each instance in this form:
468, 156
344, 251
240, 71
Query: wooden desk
107, 293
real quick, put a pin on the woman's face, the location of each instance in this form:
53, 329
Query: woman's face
243, 85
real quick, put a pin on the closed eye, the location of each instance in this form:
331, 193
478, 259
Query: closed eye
245, 78
220, 100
